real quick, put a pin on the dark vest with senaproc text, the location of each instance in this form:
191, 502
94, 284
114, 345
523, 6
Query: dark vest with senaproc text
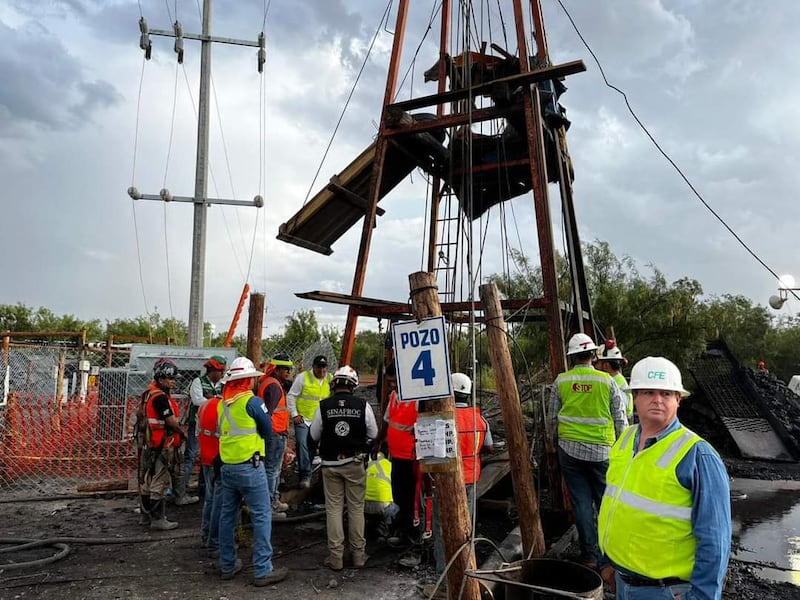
344, 428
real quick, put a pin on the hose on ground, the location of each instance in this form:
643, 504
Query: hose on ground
62, 545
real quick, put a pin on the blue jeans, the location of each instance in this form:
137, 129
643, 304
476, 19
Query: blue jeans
276, 446
655, 592
212, 504
306, 449
586, 482
190, 453
250, 483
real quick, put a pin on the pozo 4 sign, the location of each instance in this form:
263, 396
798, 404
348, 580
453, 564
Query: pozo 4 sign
421, 359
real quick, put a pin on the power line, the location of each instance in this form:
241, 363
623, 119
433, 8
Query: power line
664, 154
347, 102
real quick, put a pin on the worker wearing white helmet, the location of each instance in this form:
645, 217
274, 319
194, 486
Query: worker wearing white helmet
610, 360
587, 414
665, 521
344, 425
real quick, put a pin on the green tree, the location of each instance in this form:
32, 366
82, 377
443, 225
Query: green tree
16, 317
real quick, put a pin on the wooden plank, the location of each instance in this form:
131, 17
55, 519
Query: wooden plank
492, 472
108, 485
553, 72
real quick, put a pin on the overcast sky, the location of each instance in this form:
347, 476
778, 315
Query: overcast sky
714, 81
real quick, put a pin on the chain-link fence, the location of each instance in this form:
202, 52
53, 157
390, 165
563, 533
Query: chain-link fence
67, 419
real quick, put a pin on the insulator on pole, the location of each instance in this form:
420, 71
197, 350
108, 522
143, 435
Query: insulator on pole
258, 201
178, 29
165, 194
144, 39
134, 193
262, 53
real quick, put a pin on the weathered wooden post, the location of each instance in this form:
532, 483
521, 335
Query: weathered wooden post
451, 494
255, 321
530, 524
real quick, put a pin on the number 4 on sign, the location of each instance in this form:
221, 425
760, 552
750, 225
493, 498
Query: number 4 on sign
423, 368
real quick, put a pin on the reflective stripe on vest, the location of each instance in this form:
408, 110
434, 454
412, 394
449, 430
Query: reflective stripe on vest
645, 520
239, 438
280, 415
585, 414
207, 433
379, 482
622, 383
312, 394
471, 434
157, 428
400, 434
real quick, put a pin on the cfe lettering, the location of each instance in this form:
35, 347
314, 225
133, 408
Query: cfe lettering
582, 387
659, 375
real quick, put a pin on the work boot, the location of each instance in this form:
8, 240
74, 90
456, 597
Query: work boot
186, 499
429, 590
237, 566
158, 517
278, 506
277, 516
334, 563
276, 576
144, 510
305, 483
360, 558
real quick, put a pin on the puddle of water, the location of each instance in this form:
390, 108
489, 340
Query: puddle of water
767, 524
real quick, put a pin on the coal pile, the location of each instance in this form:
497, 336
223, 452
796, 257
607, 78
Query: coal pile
782, 402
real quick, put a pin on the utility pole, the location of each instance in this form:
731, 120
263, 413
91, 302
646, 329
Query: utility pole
200, 198
452, 495
255, 322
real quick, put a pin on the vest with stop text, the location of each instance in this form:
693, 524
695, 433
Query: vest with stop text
585, 414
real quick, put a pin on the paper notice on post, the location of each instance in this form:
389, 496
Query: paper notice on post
435, 437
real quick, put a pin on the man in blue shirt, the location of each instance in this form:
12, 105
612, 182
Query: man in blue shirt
665, 519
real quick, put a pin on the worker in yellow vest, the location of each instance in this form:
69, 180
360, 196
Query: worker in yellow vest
308, 389
243, 425
587, 414
379, 507
665, 520
610, 360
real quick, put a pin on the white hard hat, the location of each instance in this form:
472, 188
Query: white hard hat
580, 342
609, 351
462, 384
346, 375
241, 368
656, 373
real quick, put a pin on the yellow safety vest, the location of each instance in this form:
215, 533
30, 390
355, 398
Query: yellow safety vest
623, 383
312, 394
645, 521
379, 480
585, 414
238, 436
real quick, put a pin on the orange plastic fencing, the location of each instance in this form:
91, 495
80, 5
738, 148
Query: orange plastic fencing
74, 440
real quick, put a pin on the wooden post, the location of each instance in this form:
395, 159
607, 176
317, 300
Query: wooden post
451, 494
518, 451
255, 321
62, 363
6, 348
109, 350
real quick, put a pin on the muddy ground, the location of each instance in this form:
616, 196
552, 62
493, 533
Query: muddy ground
170, 565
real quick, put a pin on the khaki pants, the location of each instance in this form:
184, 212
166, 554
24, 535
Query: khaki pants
164, 471
345, 483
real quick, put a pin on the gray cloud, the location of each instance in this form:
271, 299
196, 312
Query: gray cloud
43, 85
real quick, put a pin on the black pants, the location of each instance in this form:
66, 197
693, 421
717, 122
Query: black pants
404, 488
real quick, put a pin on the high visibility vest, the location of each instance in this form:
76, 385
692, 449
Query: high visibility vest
585, 414
623, 383
379, 480
157, 436
207, 434
312, 394
238, 436
210, 390
400, 433
645, 521
471, 430
280, 416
